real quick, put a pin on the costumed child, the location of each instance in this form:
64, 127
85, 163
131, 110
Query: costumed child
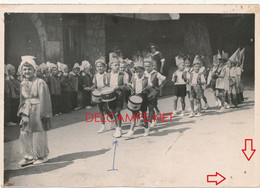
220, 83
117, 80
13, 88
85, 80
204, 72
139, 87
7, 102
226, 68
196, 80
179, 86
66, 88
46, 72
211, 80
233, 84
74, 78
35, 112
158, 59
99, 82
55, 89
240, 66
156, 81
123, 65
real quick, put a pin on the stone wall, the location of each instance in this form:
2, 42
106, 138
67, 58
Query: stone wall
94, 37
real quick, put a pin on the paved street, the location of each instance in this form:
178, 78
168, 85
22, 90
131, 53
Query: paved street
179, 153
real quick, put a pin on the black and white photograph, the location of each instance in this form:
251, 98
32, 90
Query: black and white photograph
129, 99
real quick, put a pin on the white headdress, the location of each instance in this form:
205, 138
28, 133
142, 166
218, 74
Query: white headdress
28, 59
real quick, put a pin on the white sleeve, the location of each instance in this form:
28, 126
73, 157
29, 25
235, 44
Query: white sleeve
126, 77
203, 78
160, 77
238, 71
209, 77
202, 69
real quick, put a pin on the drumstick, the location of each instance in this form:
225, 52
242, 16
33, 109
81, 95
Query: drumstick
144, 89
131, 88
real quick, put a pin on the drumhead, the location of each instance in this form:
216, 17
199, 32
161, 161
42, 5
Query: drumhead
96, 93
136, 99
107, 90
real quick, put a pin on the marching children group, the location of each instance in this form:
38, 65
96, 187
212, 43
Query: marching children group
50, 89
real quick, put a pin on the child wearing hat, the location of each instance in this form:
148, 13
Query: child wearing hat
196, 80
117, 80
12, 87
35, 112
233, 85
220, 83
139, 86
55, 89
123, 69
179, 86
204, 72
74, 77
211, 80
156, 81
85, 80
99, 82
187, 70
66, 88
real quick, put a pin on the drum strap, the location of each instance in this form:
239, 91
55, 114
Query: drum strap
104, 79
120, 80
144, 83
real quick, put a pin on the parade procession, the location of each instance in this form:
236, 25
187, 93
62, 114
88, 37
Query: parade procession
155, 96
50, 89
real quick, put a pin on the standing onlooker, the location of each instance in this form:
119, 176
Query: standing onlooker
74, 78
66, 88
13, 90
85, 81
55, 89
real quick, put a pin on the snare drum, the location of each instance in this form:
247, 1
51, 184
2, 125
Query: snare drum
134, 102
96, 96
108, 94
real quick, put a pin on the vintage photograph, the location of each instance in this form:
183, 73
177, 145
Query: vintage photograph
129, 99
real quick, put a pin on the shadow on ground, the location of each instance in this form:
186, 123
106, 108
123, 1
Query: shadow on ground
52, 164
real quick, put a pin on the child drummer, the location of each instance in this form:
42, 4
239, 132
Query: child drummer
139, 85
154, 78
100, 81
117, 80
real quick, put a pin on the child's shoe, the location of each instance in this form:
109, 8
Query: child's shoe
130, 134
221, 109
102, 129
146, 132
198, 114
206, 106
118, 132
182, 114
191, 115
154, 123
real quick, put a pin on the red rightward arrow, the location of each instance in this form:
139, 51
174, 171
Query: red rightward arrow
218, 178
248, 151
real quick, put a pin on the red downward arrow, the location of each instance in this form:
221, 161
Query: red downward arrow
248, 152
215, 181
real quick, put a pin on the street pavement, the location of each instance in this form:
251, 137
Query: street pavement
177, 153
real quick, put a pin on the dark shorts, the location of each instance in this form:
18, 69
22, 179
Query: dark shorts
116, 105
180, 90
196, 92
